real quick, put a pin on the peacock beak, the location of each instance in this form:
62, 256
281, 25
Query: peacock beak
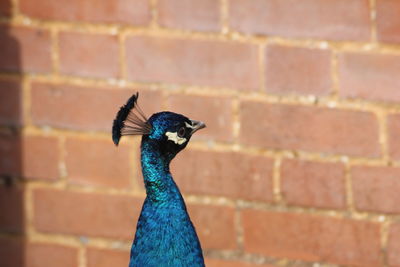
197, 125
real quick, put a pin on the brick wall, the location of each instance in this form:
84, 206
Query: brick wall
300, 160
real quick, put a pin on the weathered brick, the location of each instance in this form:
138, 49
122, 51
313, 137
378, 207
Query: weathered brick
322, 19
199, 62
104, 166
376, 188
10, 102
297, 70
17, 253
231, 263
313, 184
5, 8
106, 257
309, 128
214, 234
230, 174
119, 11
47, 255
312, 238
12, 209
189, 14
40, 157
92, 55
24, 49
388, 20
87, 214
12, 252
393, 133
94, 109
216, 112
10, 155
369, 76
393, 250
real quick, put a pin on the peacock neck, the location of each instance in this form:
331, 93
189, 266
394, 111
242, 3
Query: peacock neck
160, 186
165, 234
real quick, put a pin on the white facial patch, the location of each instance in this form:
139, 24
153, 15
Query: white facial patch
189, 126
175, 138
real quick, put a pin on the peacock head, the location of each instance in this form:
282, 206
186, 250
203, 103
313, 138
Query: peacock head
173, 131
170, 131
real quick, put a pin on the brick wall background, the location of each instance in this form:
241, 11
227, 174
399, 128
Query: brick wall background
299, 165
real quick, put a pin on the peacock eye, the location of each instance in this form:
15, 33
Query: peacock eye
181, 132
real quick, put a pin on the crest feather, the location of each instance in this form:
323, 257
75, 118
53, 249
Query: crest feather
130, 120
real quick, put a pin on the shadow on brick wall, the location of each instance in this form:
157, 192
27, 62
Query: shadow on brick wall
12, 221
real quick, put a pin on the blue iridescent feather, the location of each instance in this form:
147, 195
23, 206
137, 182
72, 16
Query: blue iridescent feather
165, 235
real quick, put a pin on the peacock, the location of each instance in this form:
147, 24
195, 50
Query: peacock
165, 235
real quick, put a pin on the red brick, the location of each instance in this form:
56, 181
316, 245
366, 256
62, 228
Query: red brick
297, 70
41, 157
393, 133
322, 19
199, 62
231, 263
393, 250
92, 55
105, 165
12, 252
312, 238
309, 128
313, 184
33, 157
189, 14
214, 233
38, 255
376, 188
216, 112
119, 11
86, 214
5, 8
25, 49
388, 20
370, 76
12, 209
228, 174
94, 109
48, 255
10, 155
10, 102
106, 258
